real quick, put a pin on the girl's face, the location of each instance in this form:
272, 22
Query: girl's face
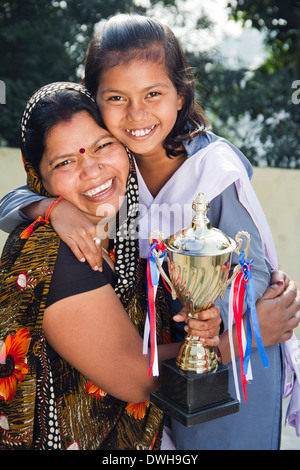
139, 105
70, 166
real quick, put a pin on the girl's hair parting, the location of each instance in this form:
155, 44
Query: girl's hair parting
132, 37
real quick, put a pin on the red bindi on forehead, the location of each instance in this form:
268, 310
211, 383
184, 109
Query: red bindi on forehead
82, 150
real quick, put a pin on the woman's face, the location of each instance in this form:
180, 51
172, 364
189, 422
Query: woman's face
70, 166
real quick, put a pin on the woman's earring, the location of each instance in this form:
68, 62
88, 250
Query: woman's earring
100, 166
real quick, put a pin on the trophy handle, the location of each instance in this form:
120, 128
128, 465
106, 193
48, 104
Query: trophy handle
156, 253
238, 267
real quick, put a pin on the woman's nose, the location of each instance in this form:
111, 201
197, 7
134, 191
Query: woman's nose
90, 167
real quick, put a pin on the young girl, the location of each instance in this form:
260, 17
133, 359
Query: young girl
146, 94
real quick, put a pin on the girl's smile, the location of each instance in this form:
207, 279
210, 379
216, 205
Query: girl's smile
140, 132
139, 105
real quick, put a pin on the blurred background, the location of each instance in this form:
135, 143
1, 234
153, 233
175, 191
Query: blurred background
246, 57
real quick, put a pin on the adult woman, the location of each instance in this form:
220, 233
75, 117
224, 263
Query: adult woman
72, 364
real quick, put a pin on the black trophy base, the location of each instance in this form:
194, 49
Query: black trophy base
193, 398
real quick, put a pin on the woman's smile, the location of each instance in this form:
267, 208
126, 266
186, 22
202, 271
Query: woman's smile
100, 191
98, 175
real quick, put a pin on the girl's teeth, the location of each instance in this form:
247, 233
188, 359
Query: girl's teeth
140, 132
99, 189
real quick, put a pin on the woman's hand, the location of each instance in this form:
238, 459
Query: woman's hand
77, 231
205, 324
281, 278
278, 312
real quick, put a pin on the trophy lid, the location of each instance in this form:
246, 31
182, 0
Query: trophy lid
200, 238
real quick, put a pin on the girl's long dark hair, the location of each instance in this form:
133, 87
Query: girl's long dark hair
128, 37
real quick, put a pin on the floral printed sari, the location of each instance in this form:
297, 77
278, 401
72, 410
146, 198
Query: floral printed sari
45, 403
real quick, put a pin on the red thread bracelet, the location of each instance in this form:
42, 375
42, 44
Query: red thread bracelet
52, 205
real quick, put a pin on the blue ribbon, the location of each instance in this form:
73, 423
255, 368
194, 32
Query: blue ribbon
250, 299
153, 267
153, 281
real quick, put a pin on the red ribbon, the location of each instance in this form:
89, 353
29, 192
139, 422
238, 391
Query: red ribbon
152, 280
238, 307
151, 313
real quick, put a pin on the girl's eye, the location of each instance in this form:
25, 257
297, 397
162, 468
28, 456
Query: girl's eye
153, 94
115, 98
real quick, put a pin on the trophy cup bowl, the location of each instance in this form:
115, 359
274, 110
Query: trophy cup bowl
199, 262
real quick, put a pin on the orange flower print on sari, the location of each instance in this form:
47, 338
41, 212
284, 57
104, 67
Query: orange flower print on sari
137, 409
92, 389
13, 364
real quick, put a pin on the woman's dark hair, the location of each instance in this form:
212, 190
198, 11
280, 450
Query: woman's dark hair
127, 37
51, 109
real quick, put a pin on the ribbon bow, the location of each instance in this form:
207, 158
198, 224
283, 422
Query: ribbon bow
243, 288
149, 340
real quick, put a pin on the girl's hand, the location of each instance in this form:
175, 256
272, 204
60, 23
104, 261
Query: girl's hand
205, 325
77, 231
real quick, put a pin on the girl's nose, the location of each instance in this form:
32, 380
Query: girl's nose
136, 112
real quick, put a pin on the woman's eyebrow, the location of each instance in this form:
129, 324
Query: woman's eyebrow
66, 155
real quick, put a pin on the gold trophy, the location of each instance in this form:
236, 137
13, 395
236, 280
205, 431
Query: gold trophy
194, 386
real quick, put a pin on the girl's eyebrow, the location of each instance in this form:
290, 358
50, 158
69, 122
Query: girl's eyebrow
154, 85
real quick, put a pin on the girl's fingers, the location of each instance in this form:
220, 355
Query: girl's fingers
85, 249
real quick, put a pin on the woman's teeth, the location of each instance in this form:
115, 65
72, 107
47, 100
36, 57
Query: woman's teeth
140, 132
96, 191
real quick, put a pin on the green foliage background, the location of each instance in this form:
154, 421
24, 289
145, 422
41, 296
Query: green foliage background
43, 41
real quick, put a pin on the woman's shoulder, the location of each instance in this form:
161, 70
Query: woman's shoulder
71, 276
68, 263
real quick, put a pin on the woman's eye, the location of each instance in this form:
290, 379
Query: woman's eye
103, 146
65, 162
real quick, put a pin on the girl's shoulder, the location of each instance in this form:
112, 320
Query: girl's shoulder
203, 140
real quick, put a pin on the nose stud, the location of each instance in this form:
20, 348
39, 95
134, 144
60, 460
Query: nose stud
100, 166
